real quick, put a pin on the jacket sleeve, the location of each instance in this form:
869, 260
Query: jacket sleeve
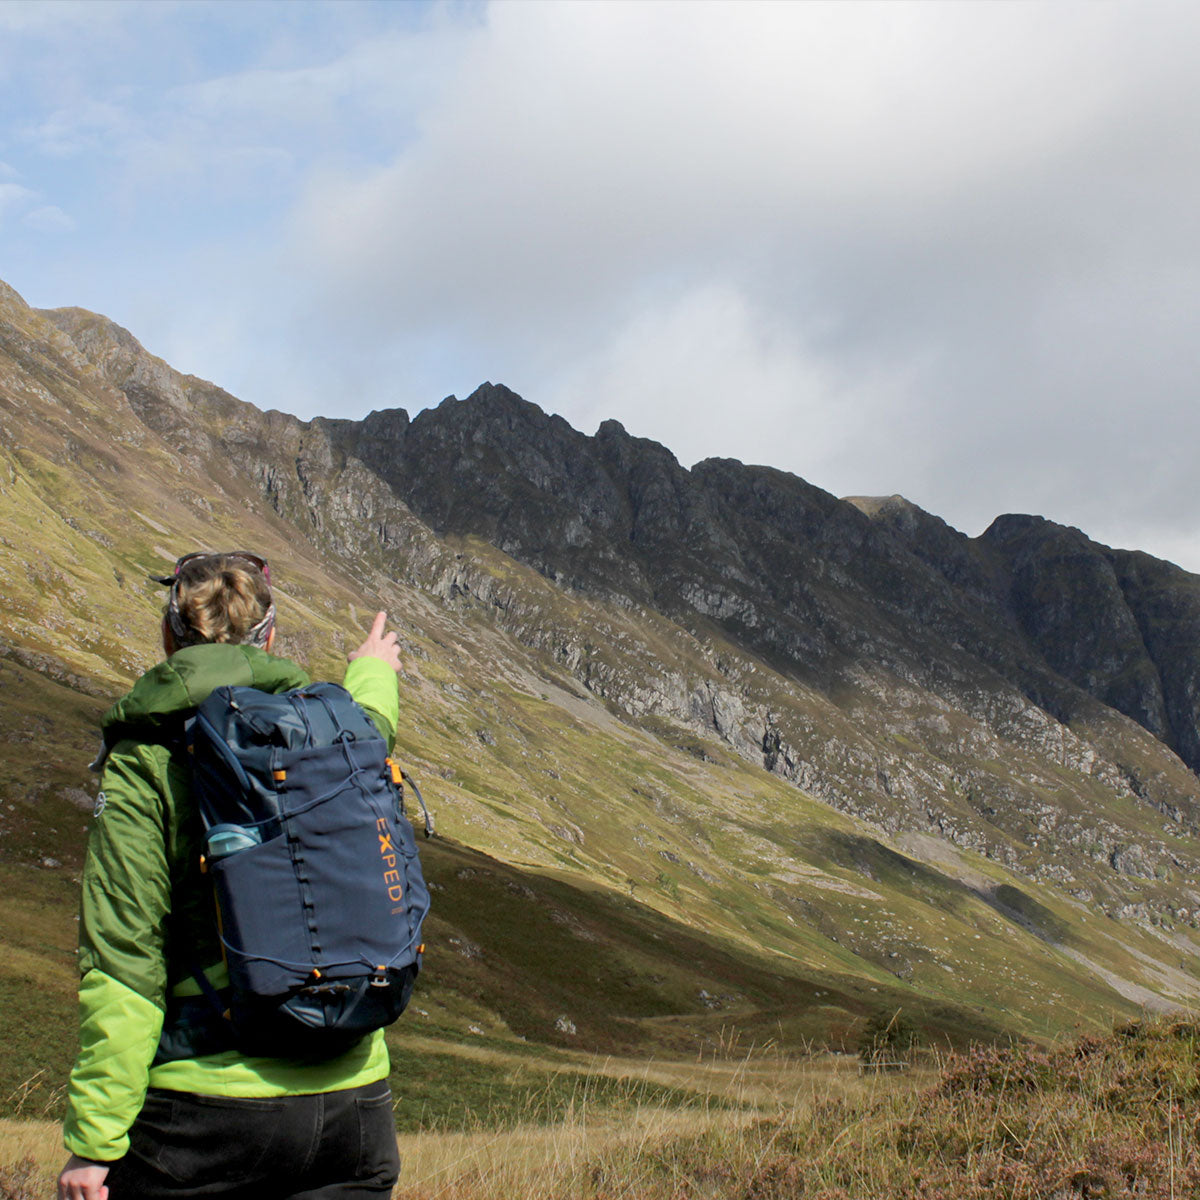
123, 910
374, 685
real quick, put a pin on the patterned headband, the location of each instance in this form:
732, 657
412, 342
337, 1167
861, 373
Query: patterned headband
183, 633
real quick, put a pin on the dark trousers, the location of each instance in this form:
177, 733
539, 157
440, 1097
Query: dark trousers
320, 1147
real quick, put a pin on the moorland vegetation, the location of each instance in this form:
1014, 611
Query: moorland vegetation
1114, 1117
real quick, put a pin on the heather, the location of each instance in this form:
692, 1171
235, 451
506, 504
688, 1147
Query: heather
1115, 1116
1102, 1118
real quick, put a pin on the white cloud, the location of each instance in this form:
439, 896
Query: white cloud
49, 218
590, 144
710, 371
37, 17
92, 126
587, 152
14, 196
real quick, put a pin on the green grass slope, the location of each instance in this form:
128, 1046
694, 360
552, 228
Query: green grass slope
631, 877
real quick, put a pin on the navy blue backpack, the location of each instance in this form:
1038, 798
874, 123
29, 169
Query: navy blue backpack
320, 895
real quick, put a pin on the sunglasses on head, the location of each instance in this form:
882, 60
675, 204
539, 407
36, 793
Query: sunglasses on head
255, 560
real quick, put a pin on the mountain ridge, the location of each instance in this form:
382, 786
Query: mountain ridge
825, 734
966, 564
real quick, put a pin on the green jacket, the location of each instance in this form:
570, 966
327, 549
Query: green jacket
147, 914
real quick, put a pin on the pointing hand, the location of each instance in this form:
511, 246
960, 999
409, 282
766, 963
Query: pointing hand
380, 644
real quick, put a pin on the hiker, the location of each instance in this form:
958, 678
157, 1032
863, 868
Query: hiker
145, 1123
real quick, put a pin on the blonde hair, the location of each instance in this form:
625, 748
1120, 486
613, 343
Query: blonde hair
219, 599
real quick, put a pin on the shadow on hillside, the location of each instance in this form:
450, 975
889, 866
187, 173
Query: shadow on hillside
533, 947
1023, 910
878, 862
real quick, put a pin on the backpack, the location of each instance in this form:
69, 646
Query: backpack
319, 891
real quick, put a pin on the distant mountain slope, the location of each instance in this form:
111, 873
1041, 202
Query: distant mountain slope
824, 590
1120, 624
875, 761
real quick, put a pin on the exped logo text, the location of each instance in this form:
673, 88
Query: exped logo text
388, 853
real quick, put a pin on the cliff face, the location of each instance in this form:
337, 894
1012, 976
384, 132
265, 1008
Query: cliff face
1120, 625
789, 570
1021, 705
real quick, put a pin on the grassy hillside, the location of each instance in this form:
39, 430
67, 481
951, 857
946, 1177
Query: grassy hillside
606, 867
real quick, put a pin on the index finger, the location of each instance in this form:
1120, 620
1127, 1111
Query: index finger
378, 627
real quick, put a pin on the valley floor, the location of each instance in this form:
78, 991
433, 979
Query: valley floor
1112, 1117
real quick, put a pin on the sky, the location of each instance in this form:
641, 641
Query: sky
946, 250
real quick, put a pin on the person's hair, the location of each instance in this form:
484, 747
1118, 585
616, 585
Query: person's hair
220, 599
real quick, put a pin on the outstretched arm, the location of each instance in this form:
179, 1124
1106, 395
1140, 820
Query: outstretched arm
371, 677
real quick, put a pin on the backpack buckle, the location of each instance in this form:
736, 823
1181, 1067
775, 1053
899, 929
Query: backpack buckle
379, 978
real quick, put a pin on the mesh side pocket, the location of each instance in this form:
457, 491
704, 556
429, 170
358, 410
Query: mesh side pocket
264, 921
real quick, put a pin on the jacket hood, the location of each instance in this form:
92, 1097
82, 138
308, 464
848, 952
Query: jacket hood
175, 688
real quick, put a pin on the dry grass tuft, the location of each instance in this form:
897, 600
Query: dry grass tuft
31, 1155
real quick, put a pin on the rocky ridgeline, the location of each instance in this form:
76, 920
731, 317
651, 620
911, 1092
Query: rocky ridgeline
1013, 694
820, 586
829, 597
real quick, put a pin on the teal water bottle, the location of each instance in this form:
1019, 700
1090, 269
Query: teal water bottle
224, 840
